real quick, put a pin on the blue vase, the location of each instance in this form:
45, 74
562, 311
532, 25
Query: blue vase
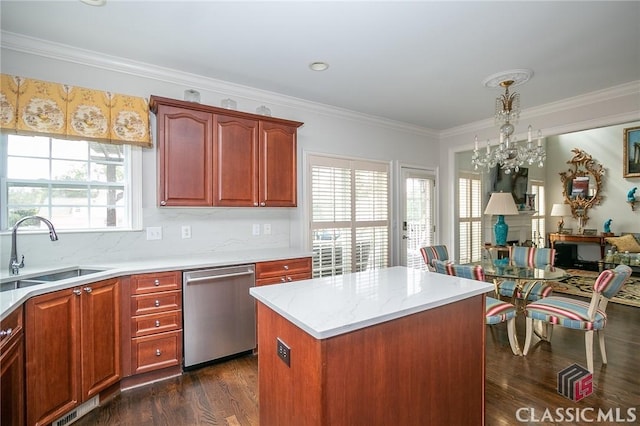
501, 230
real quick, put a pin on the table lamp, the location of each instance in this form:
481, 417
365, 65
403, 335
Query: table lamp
560, 210
501, 204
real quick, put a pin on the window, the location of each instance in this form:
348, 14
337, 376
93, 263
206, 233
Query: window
538, 230
349, 218
76, 184
469, 217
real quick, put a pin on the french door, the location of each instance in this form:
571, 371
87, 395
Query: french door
418, 215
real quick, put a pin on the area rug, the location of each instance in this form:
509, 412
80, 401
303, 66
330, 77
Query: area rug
581, 284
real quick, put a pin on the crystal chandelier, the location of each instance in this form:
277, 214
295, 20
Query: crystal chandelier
509, 154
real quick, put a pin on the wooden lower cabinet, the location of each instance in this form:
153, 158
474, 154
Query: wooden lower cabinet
283, 271
72, 348
12, 370
154, 334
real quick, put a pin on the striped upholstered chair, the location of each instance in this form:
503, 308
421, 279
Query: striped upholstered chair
431, 253
529, 257
496, 311
578, 314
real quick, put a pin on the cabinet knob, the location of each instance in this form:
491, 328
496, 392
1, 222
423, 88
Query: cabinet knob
157, 303
158, 353
286, 267
157, 323
282, 279
289, 279
77, 292
262, 204
255, 204
163, 203
88, 289
6, 333
156, 282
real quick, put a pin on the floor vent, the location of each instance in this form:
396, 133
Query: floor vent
78, 412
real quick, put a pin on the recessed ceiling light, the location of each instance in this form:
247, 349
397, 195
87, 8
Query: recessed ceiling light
318, 66
94, 2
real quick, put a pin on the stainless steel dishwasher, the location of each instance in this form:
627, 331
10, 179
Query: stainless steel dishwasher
219, 314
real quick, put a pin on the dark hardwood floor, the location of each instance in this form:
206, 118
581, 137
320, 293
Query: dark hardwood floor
226, 393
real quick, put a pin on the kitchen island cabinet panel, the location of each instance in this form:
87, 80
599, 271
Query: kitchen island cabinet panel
425, 368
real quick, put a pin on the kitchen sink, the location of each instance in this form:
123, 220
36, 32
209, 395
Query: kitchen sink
47, 278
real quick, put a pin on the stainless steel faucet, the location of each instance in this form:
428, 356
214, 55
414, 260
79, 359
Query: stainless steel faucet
14, 266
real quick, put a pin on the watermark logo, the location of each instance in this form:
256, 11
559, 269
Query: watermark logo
575, 382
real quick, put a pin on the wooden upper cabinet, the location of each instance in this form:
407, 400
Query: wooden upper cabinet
236, 162
278, 171
185, 156
210, 156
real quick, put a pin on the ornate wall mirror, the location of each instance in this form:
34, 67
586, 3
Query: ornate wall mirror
582, 185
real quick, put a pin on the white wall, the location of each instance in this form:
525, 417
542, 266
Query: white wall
326, 130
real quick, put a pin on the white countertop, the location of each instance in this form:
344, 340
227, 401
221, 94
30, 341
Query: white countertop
330, 306
11, 299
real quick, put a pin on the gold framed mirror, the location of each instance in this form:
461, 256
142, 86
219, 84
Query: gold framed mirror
582, 185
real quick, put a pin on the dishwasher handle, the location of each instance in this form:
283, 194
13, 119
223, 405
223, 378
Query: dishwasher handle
217, 277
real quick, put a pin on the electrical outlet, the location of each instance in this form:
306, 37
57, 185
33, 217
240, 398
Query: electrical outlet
266, 228
284, 352
186, 231
154, 232
256, 229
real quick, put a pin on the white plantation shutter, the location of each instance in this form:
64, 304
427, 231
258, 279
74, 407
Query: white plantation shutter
349, 215
470, 217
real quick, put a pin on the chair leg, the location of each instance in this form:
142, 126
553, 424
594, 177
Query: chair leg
588, 341
513, 340
603, 352
529, 335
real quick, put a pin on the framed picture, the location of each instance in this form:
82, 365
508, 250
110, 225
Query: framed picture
567, 231
590, 232
631, 152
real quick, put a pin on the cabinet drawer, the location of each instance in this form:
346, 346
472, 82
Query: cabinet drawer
156, 302
154, 282
156, 351
283, 267
283, 279
10, 326
156, 323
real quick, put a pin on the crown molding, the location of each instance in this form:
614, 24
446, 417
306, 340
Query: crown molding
66, 53
615, 92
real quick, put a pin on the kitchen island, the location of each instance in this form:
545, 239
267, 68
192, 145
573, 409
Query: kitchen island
379, 347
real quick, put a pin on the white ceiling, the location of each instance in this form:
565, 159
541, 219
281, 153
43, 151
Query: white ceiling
421, 63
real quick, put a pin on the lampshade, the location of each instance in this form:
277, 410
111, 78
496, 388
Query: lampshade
501, 203
560, 210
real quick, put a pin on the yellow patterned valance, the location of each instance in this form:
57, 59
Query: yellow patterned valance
35, 107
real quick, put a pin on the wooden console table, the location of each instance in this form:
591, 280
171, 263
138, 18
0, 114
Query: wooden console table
584, 239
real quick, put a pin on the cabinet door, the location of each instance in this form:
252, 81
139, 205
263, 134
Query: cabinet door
236, 162
100, 310
52, 355
12, 384
278, 173
185, 156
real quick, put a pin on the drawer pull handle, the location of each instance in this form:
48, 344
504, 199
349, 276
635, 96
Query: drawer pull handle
156, 282
6, 333
88, 289
157, 303
158, 353
157, 323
